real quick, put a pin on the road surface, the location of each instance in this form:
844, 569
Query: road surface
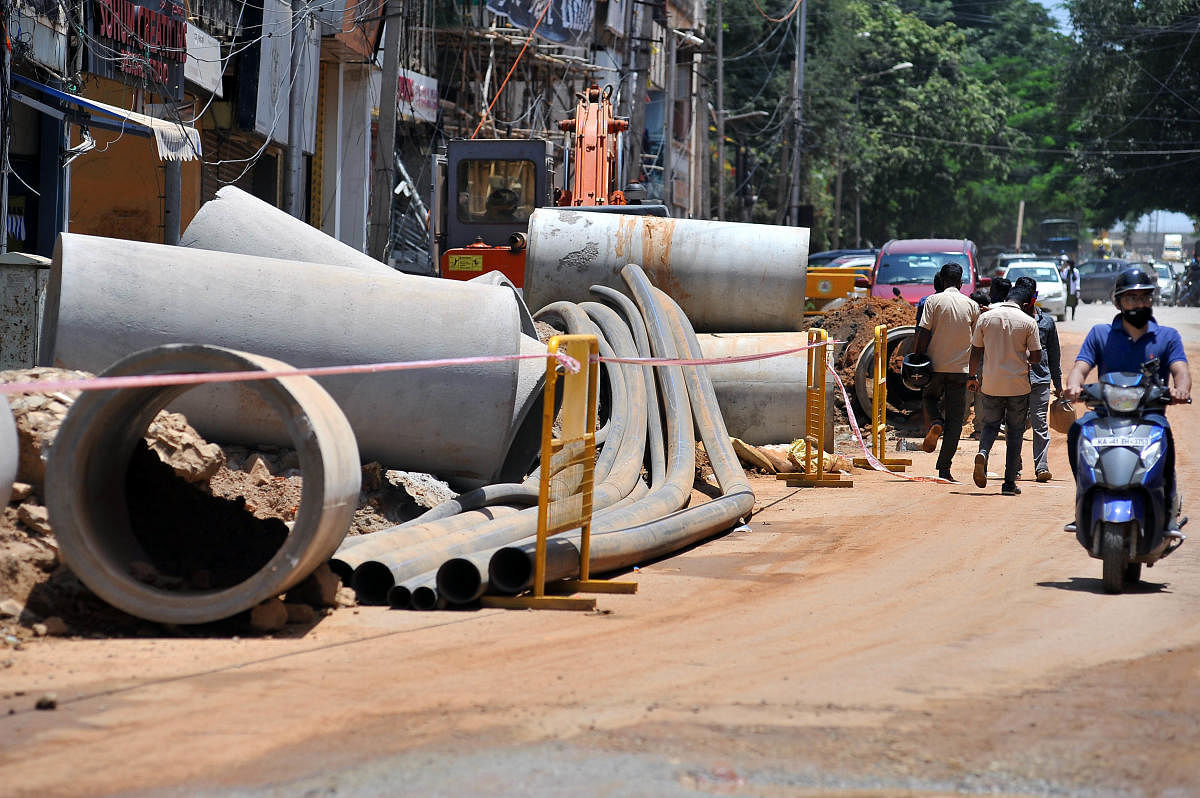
892, 638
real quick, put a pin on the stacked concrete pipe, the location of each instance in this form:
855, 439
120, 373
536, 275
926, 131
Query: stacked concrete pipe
764, 401
238, 222
86, 484
725, 275
467, 423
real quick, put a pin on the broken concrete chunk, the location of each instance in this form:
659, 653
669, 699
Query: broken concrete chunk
11, 608
21, 491
319, 589
258, 468
300, 613
56, 626
36, 517
425, 489
192, 458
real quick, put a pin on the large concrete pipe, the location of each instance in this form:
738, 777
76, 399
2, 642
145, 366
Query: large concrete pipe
10, 454
725, 275
764, 401
235, 221
108, 297
900, 342
86, 490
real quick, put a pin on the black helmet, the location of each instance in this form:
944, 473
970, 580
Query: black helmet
916, 371
1133, 279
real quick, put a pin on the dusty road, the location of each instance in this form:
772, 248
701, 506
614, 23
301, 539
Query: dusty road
893, 638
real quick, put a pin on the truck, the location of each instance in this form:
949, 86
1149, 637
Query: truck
1172, 249
484, 190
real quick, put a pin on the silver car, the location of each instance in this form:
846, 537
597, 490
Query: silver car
1052, 293
1167, 286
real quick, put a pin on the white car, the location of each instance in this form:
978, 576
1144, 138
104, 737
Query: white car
1052, 293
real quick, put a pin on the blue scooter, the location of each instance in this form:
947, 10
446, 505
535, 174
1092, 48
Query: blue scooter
1123, 456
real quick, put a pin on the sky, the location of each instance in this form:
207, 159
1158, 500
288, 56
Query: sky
1058, 12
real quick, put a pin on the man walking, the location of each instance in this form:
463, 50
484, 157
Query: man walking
1041, 375
944, 335
1009, 337
1070, 276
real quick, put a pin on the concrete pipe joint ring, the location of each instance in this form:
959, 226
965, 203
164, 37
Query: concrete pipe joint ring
86, 493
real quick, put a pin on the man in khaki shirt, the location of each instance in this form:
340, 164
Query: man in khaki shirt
944, 335
1010, 338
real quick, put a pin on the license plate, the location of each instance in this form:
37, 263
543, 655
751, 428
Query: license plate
1121, 440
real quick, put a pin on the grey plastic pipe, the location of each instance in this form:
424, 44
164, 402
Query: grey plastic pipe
655, 454
726, 275
85, 484
107, 298
10, 453
617, 471
511, 569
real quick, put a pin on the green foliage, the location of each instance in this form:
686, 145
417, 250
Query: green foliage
1135, 80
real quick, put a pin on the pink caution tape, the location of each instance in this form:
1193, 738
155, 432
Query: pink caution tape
202, 378
871, 458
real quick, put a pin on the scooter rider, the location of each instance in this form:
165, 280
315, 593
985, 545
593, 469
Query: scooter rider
1132, 339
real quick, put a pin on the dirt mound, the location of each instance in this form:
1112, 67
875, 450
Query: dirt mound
855, 323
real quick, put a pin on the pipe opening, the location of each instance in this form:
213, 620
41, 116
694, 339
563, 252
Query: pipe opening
510, 570
459, 580
424, 598
372, 581
192, 540
399, 598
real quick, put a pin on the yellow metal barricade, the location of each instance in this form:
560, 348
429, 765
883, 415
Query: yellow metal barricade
879, 408
567, 476
814, 421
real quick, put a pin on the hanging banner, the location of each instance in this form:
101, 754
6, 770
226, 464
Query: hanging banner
416, 97
140, 43
567, 21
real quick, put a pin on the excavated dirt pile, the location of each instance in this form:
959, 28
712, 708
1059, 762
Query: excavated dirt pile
855, 323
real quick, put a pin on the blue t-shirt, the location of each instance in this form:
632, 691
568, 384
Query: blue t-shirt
1109, 348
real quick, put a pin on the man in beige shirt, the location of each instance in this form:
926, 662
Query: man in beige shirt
944, 335
1010, 337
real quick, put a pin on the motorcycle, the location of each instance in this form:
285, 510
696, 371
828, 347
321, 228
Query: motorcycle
1120, 455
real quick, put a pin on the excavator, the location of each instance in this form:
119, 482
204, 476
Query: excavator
484, 190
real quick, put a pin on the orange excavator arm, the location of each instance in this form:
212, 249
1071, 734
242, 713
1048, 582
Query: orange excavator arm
594, 153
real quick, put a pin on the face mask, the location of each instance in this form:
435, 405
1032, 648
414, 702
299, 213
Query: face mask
1138, 317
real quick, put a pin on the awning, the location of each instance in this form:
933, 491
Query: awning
176, 141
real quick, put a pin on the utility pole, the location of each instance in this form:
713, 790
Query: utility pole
669, 122
798, 118
5, 131
721, 112
292, 202
385, 146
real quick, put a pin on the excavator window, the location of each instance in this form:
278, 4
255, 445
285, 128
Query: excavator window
495, 190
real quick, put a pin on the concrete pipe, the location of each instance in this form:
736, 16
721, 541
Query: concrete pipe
900, 342
235, 221
764, 401
86, 484
108, 297
10, 453
725, 275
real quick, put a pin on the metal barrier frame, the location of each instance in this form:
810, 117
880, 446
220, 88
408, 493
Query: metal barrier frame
814, 420
578, 428
879, 409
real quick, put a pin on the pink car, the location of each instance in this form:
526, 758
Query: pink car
905, 266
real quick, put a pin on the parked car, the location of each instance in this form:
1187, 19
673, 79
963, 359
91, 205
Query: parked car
822, 258
1097, 278
1052, 294
1006, 259
905, 267
1167, 284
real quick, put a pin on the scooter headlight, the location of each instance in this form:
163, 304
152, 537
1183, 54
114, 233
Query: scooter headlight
1122, 400
1150, 454
1089, 453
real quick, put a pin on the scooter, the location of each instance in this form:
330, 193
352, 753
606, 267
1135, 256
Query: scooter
1120, 452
